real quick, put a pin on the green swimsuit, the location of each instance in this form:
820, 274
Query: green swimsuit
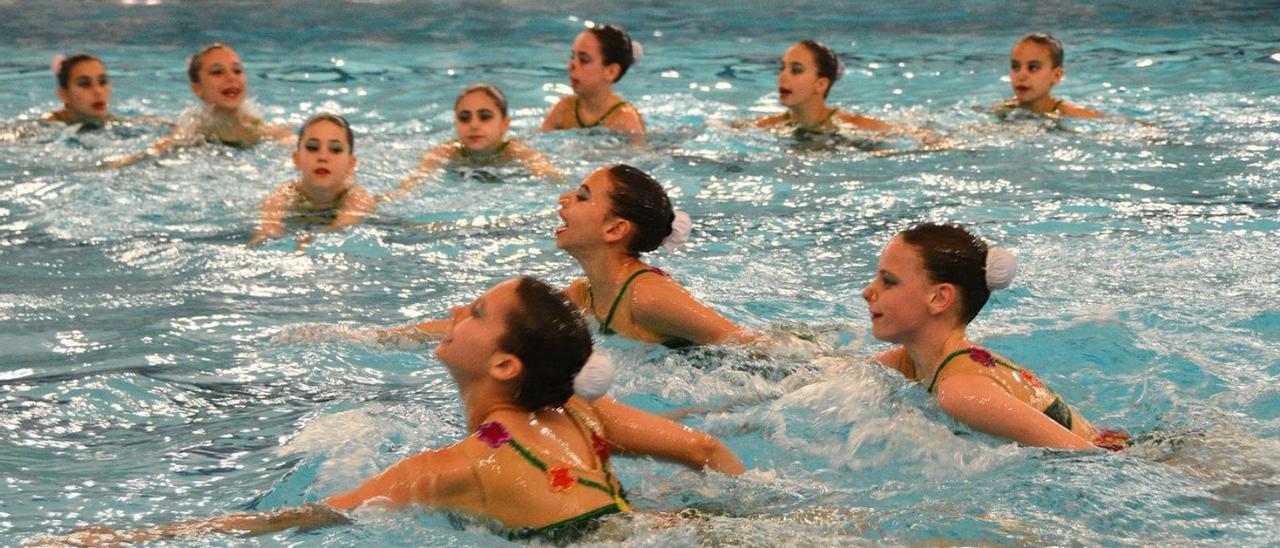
1058, 410
608, 319
578, 116
561, 478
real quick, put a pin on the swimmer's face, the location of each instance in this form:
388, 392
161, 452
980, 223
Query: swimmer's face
798, 79
1031, 72
88, 91
222, 81
587, 212
587, 71
480, 122
470, 348
324, 158
899, 298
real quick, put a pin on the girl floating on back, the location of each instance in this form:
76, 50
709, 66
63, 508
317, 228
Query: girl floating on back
616, 214
224, 115
326, 189
600, 58
480, 115
931, 282
537, 457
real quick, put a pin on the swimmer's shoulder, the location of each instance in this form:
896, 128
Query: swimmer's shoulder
358, 198
863, 122
557, 117
577, 292
898, 359
772, 121
1069, 110
626, 118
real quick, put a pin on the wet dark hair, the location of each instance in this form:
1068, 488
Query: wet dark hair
638, 198
552, 340
615, 47
1048, 41
488, 89
953, 255
64, 70
197, 60
827, 61
329, 117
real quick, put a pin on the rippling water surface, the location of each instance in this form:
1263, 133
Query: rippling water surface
152, 368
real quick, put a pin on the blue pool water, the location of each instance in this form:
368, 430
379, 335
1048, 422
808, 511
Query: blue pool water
153, 370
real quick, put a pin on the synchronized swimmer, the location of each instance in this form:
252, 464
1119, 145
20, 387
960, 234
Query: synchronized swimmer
537, 457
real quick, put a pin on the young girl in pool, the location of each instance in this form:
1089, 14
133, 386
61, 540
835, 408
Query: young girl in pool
85, 91
600, 57
537, 460
326, 159
931, 282
616, 214
809, 69
224, 116
480, 115
1035, 66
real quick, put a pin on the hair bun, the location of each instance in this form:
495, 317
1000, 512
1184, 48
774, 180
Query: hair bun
637, 51
681, 226
55, 66
595, 378
1001, 267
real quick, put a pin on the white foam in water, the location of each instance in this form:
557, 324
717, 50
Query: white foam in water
347, 441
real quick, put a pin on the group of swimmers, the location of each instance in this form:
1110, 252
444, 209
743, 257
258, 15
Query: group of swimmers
542, 429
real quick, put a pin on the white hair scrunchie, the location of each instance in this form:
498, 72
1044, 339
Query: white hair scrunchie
637, 51
681, 226
595, 377
55, 66
1001, 267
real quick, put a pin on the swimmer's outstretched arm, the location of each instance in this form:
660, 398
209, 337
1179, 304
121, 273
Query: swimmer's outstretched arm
442, 478
305, 518
430, 330
634, 431
161, 147
534, 161
986, 407
432, 161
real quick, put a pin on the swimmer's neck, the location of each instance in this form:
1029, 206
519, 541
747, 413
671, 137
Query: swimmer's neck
482, 400
596, 100
321, 197
810, 113
928, 349
607, 269
68, 117
1042, 105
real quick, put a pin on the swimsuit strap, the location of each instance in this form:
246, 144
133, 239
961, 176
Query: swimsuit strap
604, 327
578, 116
559, 478
824, 120
945, 361
1056, 105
